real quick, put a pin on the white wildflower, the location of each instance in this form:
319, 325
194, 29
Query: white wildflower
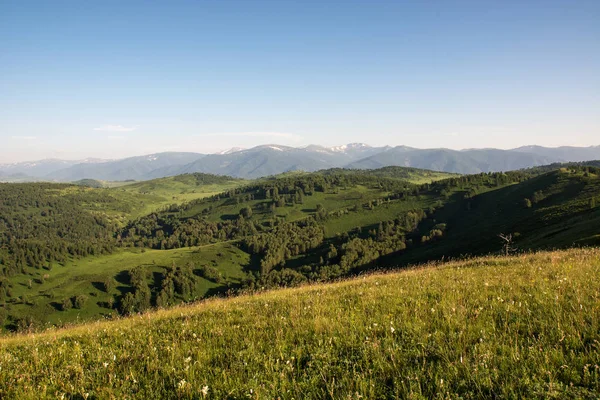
181, 384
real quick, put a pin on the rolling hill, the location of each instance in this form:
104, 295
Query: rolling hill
494, 327
130, 248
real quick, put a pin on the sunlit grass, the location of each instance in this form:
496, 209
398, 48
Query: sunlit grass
521, 327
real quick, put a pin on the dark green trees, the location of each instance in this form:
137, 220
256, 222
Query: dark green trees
246, 212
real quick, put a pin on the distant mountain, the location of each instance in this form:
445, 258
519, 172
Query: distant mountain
274, 159
41, 168
16, 178
137, 168
463, 162
232, 150
262, 161
564, 153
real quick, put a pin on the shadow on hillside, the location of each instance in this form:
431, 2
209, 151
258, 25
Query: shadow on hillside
229, 217
123, 277
220, 291
98, 286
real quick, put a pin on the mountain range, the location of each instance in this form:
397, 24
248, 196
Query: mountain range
267, 160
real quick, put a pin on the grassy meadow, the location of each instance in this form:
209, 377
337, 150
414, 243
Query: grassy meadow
176, 190
42, 291
526, 326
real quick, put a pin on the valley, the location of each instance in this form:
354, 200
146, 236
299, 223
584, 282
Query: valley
78, 253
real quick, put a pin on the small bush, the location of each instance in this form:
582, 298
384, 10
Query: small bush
79, 301
66, 304
210, 273
106, 284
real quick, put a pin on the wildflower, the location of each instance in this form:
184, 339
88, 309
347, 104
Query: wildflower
392, 329
188, 359
105, 364
204, 390
181, 384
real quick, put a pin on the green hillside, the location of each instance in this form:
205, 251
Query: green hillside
555, 210
71, 253
180, 189
495, 327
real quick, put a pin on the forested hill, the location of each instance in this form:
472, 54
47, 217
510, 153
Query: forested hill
69, 252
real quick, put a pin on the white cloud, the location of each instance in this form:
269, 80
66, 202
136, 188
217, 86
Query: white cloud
117, 128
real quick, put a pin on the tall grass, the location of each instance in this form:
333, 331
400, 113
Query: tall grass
521, 327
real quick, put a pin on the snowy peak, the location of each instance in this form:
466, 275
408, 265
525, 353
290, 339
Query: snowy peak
275, 147
350, 147
231, 151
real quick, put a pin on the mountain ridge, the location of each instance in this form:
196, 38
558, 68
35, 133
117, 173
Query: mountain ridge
272, 159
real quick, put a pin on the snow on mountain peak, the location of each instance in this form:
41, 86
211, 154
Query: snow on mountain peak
232, 150
349, 146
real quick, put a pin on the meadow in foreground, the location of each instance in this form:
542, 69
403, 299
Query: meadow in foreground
518, 327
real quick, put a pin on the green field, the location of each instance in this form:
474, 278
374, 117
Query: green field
44, 290
494, 327
178, 189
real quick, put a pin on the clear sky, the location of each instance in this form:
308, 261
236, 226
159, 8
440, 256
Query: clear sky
111, 79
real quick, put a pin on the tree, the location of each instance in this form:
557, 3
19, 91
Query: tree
127, 305
66, 304
79, 301
507, 247
106, 284
321, 213
246, 212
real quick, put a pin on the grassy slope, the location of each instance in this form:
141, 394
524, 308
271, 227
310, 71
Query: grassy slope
175, 190
84, 276
522, 327
562, 219
413, 175
225, 209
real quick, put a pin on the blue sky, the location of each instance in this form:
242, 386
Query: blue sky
112, 79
